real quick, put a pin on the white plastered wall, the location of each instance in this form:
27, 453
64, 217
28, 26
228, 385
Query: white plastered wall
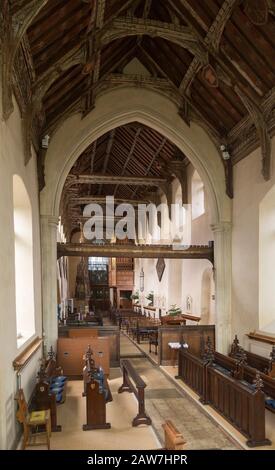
249, 191
12, 162
183, 278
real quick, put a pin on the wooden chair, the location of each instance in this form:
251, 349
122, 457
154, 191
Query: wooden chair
173, 438
153, 341
35, 423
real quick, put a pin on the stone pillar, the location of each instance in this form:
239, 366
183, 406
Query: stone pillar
223, 284
49, 226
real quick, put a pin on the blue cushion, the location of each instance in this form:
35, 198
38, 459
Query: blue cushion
58, 398
270, 402
56, 389
59, 380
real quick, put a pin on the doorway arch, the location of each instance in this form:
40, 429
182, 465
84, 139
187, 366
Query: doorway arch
113, 109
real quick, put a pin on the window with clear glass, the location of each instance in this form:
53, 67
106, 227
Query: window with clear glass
23, 262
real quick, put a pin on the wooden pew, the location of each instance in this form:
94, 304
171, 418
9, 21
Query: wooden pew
97, 393
52, 372
173, 438
132, 382
266, 368
43, 399
71, 350
142, 328
265, 365
83, 333
179, 319
153, 341
237, 401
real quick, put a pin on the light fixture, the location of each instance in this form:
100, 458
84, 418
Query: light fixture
141, 278
45, 141
225, 153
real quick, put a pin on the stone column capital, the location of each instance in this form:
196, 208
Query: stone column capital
222, 227
50, 220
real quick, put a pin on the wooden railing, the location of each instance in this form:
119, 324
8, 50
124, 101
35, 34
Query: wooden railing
242, 404
132, 382
24, 357
249, 374
191, 371
265, 365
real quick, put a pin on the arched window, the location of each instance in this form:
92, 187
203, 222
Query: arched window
23, 256
198, 208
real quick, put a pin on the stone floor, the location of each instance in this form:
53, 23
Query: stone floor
120, 412
163, 401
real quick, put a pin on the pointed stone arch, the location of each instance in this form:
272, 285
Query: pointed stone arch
117, 108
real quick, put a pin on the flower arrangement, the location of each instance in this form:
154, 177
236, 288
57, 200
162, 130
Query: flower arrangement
174, 311
150, 297
135, 296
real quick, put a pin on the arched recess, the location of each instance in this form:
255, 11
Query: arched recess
116, 108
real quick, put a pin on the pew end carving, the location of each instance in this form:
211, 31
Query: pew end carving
173, 438
97, 393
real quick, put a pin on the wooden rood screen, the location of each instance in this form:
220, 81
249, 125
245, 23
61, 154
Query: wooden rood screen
132, 382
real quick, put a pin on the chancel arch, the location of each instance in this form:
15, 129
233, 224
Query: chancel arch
117, 108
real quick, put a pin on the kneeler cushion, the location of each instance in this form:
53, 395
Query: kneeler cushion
270, 402
59, 380
59, 398
57, 389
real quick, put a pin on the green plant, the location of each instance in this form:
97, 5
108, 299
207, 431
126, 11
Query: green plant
150, 297
135, 296
174, 311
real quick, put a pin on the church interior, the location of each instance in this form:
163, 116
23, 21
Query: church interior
137, 239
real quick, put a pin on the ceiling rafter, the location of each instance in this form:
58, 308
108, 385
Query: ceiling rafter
107, 155
14, 26
155, 156
130, 155
93, 57
51, 126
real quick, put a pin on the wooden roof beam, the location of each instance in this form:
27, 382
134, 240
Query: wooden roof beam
14, 26
112, 179
93, 57
107, 155
101, 200
130, 155
180, 35
135, 251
